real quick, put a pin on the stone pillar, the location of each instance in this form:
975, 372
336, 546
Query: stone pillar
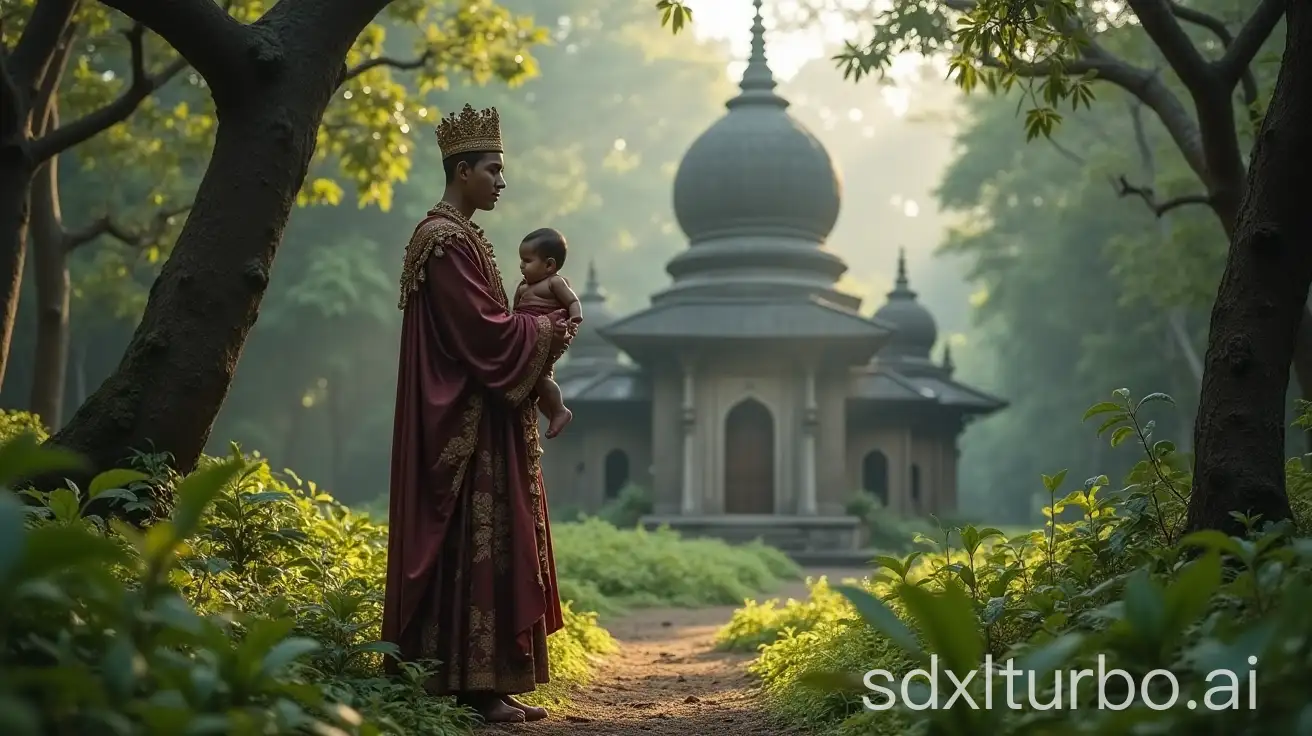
689, 501
810, 424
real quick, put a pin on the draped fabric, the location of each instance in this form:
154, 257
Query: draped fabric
471, 579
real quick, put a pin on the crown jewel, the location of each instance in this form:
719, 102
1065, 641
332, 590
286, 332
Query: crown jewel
471, 131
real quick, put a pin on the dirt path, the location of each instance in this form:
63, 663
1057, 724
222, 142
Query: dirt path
667, 678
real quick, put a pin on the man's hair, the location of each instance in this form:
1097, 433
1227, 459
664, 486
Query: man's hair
473, 158
548, 243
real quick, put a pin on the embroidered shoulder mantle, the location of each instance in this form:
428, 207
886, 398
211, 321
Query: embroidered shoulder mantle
446, 228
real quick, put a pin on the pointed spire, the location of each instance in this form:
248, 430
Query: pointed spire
902, 286
758, 81
948, 365
592, 288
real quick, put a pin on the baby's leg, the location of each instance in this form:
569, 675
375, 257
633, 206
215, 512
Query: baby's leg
552, 405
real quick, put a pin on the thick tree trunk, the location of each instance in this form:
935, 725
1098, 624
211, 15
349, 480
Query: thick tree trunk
50, 256
179, 365
1239, 433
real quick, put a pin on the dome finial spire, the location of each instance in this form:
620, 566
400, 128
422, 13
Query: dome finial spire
592, 287
902, 285
758, 81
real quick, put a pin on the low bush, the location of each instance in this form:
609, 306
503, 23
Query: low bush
254, 608
1122, 582
627, 568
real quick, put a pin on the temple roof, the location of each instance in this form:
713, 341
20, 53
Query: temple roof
617, 383
892, 380
916, 329
797, 318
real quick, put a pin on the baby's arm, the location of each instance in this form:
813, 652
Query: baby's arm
520, 291
566, 297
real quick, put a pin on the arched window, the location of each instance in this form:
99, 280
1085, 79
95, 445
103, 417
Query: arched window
874, 475
915, 488
617, 473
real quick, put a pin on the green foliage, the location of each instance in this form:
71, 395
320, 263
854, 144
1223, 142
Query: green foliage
253, 609
886, 530
1118, 580
636, 567
14, 422
628, 508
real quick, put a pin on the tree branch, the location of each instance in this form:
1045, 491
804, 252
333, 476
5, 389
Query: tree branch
1159, 208
1247, 80
202, 32
1145, 85
1249, 41
139, 88
1158, 18
106, 225
31, 55
388, 61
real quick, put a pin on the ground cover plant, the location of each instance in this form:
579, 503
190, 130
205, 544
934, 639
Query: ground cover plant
1112, 574
250, 605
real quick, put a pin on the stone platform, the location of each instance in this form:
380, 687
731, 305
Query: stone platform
809, 540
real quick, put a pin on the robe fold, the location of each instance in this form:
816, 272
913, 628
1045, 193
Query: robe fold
471, 579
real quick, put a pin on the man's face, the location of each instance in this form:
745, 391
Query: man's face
484, 181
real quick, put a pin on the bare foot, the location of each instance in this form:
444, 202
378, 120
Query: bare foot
558, 421
531, 712
493, 710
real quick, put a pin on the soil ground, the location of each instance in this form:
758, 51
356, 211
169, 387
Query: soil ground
667, 678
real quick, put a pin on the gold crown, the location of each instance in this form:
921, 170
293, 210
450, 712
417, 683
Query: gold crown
472, 131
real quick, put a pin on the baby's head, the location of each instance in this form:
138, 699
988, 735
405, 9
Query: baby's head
541, 254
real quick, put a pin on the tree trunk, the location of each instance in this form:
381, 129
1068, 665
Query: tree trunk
15, 216
1239, 434
50, 360
179, 365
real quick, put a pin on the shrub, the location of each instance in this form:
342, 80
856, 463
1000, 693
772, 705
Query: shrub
1121, 580
254, 608
636, 567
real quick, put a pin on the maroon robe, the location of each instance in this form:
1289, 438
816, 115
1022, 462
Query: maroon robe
471, 579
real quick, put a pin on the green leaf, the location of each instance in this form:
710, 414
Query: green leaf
832, 682
1053, 482
881, 617
116, 478
1145, 608
948, 623
1154, 397
1212, 539
1040, 662
197, 490
285, 652
1189, 595
1101, 407
64, 504
1120, 435
24, 457
52, 549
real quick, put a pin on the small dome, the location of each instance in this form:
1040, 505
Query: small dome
916, 330
588, 345
757, 170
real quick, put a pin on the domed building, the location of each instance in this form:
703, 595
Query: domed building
751, 399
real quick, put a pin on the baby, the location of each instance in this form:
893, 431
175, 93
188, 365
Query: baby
543, 291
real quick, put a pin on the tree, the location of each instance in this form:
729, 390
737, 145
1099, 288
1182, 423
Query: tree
270, 81
174, 127
1238, 464
36, 49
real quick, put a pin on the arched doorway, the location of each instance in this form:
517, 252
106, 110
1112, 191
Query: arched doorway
915, 489
874, 475
749, 459
616, 472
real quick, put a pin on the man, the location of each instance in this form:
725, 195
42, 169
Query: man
471, 579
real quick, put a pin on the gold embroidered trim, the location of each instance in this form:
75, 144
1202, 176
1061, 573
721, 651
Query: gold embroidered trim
533, 446
540, 353
458, 451
449, 229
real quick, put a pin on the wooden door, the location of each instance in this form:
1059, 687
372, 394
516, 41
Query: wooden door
749, 459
